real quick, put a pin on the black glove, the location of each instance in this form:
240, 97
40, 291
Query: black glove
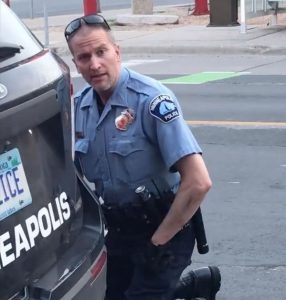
158, 257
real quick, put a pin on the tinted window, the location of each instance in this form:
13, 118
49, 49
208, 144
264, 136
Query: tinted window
13, 32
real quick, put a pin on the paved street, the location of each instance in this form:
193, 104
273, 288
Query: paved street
243, 211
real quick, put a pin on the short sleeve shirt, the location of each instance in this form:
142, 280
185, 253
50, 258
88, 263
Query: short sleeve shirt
139, 136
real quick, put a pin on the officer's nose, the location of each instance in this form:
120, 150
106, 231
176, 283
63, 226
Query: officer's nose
95, 63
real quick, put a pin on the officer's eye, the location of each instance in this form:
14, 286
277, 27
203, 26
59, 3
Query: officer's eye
83, 57
100, 52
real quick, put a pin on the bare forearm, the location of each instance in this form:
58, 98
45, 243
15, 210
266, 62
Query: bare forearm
181, 211
195, 183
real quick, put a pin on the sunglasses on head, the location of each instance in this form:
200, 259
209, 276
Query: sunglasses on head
75, 24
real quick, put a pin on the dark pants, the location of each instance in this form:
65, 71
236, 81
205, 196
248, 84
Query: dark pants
128, 279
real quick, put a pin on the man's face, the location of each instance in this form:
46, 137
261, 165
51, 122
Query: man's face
97, 58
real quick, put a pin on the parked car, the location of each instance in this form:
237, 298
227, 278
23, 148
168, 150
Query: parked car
51, 226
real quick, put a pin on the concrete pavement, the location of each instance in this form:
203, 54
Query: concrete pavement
190, 35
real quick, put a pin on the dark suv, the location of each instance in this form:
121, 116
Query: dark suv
51, 228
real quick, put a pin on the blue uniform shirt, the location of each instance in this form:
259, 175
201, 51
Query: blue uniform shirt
138, 137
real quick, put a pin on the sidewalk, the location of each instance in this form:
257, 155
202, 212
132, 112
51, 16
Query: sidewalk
190, 35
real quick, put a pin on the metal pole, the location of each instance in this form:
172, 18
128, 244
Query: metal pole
98, 6
46, 20
242, 17
32, 9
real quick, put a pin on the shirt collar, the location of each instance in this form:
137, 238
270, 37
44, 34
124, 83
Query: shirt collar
87, 100
118, 97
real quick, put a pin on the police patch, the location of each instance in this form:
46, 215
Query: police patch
163, 108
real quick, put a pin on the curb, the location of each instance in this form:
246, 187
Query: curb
154, 19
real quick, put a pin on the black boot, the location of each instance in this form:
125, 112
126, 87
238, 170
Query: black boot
201, 283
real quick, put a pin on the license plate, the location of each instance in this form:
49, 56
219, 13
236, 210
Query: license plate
14, 190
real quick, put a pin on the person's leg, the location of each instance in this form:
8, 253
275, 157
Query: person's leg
119, 274
149, 285
200, 283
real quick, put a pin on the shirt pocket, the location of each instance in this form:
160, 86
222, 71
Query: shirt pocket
81, 145
128, 160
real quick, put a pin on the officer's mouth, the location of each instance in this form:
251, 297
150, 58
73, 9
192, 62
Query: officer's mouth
98, 77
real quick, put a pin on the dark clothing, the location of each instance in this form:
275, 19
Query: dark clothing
128, 278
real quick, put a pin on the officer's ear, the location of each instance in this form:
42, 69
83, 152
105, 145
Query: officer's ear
117, 51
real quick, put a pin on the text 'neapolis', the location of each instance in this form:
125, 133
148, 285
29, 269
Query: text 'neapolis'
21, 239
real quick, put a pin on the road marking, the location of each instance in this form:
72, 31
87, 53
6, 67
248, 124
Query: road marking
203, 77
245, 124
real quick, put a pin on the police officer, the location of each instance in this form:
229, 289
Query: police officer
130, 134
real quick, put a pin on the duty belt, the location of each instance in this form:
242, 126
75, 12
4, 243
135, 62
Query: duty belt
144, 212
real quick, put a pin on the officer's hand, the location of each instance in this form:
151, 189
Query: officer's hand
157, 258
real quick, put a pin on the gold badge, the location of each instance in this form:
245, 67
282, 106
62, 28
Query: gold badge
125, 118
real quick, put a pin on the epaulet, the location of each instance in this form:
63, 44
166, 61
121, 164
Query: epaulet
141, 84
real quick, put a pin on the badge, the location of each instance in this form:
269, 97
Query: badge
125, 118
163, 108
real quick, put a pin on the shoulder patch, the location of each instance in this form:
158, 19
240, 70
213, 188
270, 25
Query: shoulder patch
163, 108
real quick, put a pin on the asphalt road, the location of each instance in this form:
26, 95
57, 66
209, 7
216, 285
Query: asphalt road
244, 210
245, 153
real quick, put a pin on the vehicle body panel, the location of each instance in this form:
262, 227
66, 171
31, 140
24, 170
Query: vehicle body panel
51, 226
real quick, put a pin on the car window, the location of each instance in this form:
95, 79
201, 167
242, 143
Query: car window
14, 35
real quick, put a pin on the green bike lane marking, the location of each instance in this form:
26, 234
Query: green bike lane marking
203, 77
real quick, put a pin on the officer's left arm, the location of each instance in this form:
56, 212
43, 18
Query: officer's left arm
180, 152
195, 183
